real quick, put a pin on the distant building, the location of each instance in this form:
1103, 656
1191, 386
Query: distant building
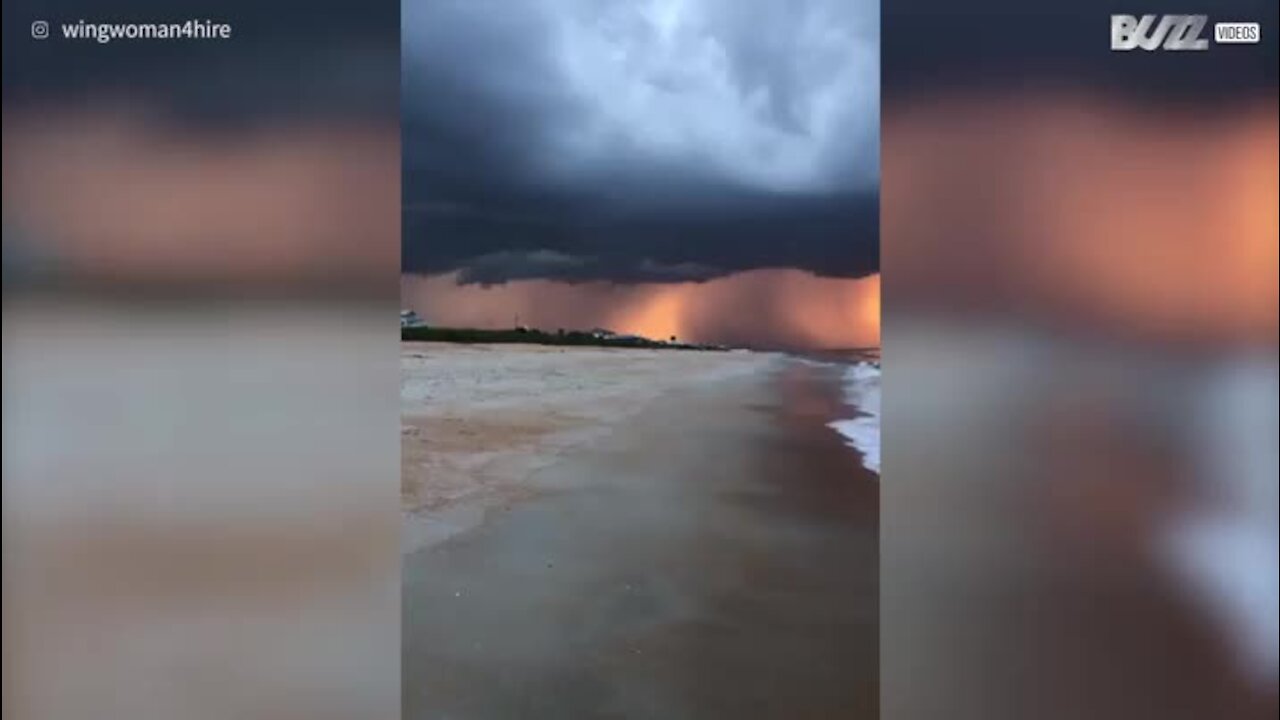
603, 334
409, 318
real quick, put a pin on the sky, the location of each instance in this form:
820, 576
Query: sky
1018, 46
268, 162
641, 144
1033, 175
614, 149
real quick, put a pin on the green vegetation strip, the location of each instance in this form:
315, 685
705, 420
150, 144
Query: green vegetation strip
539, 337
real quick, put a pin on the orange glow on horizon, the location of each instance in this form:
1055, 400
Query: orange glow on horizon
663, 315
788, 308
1089, 211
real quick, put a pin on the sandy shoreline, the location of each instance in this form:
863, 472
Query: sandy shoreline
715, 555
478, 420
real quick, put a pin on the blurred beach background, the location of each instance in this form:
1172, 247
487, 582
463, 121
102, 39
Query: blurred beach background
1080, 334
200, 367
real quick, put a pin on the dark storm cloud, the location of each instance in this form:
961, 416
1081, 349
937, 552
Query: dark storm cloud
546, 264
638, 141
932, 45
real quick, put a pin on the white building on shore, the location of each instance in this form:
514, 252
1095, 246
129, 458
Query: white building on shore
409, 318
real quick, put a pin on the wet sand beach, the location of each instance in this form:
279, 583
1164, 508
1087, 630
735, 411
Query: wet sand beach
712, 555
478, 420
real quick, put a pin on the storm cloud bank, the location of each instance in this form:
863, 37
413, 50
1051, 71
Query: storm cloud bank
639, 141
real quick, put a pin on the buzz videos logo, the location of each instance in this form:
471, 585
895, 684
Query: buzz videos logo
1177, 32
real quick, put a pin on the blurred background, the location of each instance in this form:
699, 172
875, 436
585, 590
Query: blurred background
201, 371
1080, 345
200, 363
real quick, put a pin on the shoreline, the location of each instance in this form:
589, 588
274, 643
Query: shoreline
859, 424
716, 555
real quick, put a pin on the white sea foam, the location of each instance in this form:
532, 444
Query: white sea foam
1226, 548
862, 432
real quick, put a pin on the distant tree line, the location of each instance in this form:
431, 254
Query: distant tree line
540, 337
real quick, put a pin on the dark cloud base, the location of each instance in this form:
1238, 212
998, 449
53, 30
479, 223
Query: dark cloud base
829, 236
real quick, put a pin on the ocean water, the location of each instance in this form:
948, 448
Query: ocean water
1226, 547
861, 378
862, 431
